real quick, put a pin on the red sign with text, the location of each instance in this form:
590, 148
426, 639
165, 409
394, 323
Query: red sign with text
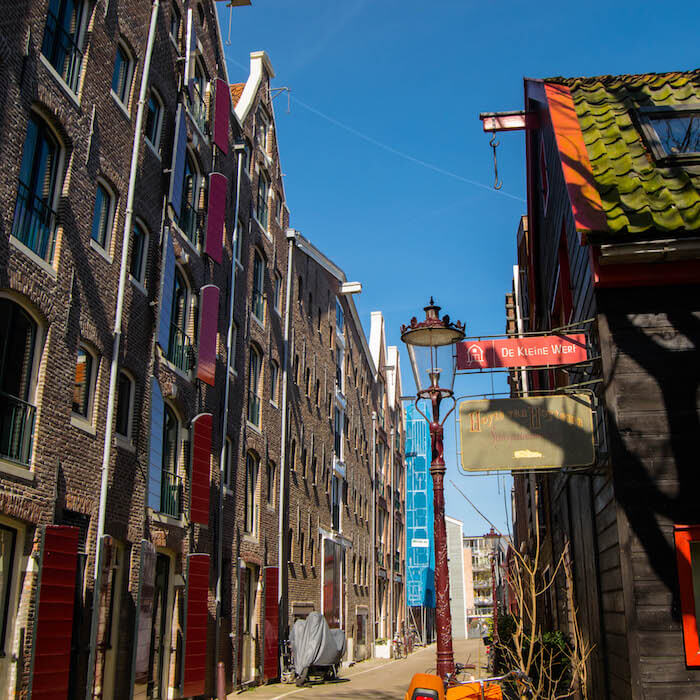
522, 352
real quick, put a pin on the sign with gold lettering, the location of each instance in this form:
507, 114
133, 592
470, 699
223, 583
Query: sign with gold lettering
527, 433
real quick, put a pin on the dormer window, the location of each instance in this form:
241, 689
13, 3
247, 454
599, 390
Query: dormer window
673, 133
262, 125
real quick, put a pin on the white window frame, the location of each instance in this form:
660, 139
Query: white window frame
155, 144
127, 439
277, 292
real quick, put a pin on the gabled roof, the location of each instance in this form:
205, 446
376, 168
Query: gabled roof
616, 186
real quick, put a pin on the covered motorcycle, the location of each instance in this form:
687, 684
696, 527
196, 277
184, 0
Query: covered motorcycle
316, 649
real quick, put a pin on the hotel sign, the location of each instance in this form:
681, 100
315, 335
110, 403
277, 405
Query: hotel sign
527, 433
532, 351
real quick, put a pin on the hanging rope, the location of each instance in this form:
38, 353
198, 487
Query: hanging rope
497, 184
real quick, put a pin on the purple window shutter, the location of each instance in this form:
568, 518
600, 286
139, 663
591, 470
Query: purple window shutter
155, 452
208, 325
177, 173
222, 112
166, 294
216, 212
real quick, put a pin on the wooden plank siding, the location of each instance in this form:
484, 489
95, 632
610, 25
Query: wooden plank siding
649, 340
583, 509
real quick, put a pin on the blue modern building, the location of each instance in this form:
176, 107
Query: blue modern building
420, 547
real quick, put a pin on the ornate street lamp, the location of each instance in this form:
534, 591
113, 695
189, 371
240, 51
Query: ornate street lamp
430, 345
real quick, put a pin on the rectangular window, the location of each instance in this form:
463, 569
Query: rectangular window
335, 502
154, 117
121, 76
62, 43
102, 216
82, 385
175, 21
34, 221
228, 463
261, 129
270, 483
261, 213
254, 379
258, 296
339, 317
8, 539
251, 481
237, 242
274, 377
687, 539
678, 134
233, 355
124, 405
277, 292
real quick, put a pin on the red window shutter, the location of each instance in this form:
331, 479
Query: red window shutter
195, 666
222, 111
208, 326
684, 535
216, 211
144, 612
201, 459
54, 626
271, 651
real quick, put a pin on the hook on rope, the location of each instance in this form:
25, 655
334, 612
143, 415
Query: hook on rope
497, 184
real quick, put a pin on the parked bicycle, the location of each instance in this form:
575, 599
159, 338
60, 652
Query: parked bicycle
398, 648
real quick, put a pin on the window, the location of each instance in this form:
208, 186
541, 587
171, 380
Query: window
179, 345
277, 292
228, 463
103, 216
318, 393
121, 76
170, 491
310, 308
339, 367
687, 538
338, 433
125, 405
254, 386
261, 213
139, 247
18, 340
84, 383
252, 463
246, 157
296, 369
293, 455
237, 243
339, 317
62, 43
274, 381
258, 296
278, 208
154, 120
262, 126
175, 22
314, 466
307, 382
190, 221
300, 290
8, 540
673, 133
271, 483
34, 221
198, 104
233, 356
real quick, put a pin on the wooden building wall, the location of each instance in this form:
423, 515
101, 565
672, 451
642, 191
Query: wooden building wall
650, 342
581, 509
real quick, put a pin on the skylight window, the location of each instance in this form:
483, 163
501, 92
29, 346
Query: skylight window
673, 133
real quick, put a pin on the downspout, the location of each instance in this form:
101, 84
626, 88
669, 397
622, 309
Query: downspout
114, 367
373, 598
239, 148
391, 541
283, 504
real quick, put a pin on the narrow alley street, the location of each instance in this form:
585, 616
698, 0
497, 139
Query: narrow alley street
378, 679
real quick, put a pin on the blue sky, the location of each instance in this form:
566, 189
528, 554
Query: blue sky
387, 169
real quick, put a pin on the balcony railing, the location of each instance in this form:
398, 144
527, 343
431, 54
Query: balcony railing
16, 429
34, 223
190, 223
62, 51
253, 408
170, 494
198, 108
180, 348
259, 305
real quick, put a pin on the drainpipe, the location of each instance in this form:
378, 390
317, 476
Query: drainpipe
283, 503
239, 149
373, 558
114, 367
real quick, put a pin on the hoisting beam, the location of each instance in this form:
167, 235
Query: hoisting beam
509, 121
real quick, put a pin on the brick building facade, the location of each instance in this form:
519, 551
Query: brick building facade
119, 118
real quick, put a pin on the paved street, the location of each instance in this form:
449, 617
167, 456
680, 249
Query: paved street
378, 678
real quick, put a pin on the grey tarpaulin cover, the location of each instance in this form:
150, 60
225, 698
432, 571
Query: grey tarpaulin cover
315, 644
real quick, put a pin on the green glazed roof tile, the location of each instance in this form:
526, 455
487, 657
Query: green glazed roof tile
638, 195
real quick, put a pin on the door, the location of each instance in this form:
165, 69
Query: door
249, 585
8, 585
111, 634
158, 683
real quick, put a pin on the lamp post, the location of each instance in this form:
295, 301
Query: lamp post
430, 344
